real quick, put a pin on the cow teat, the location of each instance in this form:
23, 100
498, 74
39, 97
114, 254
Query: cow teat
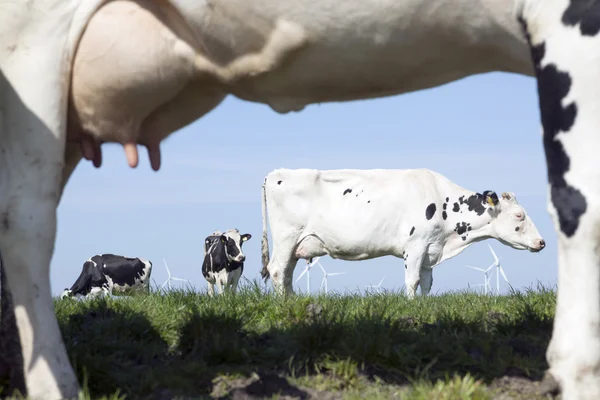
131, 153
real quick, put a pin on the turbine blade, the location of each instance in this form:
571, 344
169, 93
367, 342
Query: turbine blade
503, 275
302, 274
493, 252
167, 267
335, 273
322, 269
478, 269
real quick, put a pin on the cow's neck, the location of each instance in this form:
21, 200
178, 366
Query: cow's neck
466, 227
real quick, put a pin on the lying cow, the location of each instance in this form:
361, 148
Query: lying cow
224, 260
418, 215
108, 273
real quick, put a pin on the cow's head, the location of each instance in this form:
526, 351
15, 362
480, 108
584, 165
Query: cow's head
66, 293
232, 242
513, 227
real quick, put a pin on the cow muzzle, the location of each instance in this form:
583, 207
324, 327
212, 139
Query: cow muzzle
240, 258
538, 245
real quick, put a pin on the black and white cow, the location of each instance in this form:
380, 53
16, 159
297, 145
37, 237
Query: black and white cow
224, 260
108, 273
414, 214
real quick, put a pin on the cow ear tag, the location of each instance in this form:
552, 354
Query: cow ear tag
490, 201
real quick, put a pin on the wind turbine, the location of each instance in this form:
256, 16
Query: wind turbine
376, 287
499, 270
325, 275
306, 271
486, 277
169, 277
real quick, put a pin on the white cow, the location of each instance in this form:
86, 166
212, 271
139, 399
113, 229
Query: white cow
75, 73
418, 215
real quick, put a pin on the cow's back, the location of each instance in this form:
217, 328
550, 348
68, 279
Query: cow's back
350, 208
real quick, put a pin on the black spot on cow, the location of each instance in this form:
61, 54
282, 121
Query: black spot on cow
517, 229
469, 228
461, 227
445, 206
461, 199
279, 182
464, 237
456, 207
444, 215
412, 231
476, 203
586, 13
369, 201
553, 86
347, 191
430, 211
447, 199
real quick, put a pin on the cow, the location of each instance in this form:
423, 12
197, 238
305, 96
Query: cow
69, 84
223, 263
415, 214
106, 274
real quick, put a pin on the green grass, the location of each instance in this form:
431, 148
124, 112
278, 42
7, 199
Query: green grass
453, 346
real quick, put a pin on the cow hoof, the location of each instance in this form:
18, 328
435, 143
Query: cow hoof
549, 386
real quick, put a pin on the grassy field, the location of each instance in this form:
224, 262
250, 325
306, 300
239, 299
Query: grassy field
254, 345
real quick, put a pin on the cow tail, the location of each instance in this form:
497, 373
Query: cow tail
265, 240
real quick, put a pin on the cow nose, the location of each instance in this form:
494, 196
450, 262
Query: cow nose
540, 244
241, 257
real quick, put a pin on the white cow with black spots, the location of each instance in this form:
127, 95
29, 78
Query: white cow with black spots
418, 215
76, 73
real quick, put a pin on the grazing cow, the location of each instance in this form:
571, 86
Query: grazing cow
68, 84
108, 273
418, 215
224, 260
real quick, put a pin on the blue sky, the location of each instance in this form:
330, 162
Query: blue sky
482, 132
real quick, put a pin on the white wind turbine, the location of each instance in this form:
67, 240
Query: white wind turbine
170, 278
306, 271
486, 277
499, 270
376, 287
325, 275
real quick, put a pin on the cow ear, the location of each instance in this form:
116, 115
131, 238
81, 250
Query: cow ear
490, 197
508, 196
246, 237
223, 239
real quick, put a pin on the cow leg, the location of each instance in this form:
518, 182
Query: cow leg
31, 165
567, 77
235, 280
219, 286
281, 268
211, 289
426, 279
412, 274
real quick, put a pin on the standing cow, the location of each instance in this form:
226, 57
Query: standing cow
109, 273
224, 260
418, 215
